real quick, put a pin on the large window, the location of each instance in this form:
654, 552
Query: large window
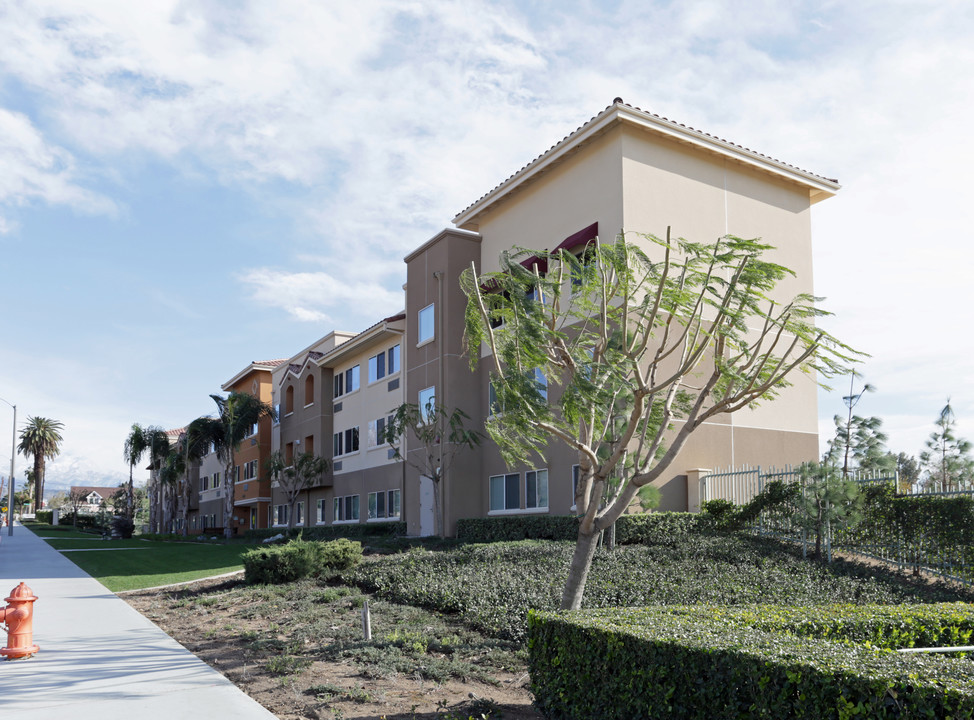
392, 360
280, 514
427, 401
505, 492
541, 383
346, 382
250, 470
494, 405
536, 489
384, 504
289, 400
320, 514
299, 513
346, 508
426, 324
309, 390
204, 483
377, 431
345, 442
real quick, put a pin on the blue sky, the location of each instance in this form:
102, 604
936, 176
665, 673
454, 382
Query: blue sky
205, 184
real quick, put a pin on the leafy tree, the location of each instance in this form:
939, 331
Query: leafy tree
76, 498
827, 499
237, 414
632, 345
440, 436
40, 439
907, 470
304, 471
947, 459
59, 500
136, 446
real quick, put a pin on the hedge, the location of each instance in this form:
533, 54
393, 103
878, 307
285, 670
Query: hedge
761, 662
656, 528
277, 564
44, 516
331, 532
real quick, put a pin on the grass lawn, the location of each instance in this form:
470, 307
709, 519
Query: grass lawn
133, 564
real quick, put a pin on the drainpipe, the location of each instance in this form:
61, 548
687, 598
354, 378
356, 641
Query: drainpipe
441, 394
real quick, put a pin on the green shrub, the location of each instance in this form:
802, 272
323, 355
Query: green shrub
44, 516
123, 527
297, 559
331, 532
698, 662
647, 528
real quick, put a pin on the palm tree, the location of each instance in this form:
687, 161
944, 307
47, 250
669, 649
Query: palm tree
194, 444
170, 473
157, 448
40, 439
136, 446
238, 412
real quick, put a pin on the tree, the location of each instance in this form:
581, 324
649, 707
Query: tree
76, 498
304, 471
860, 444
826, 499
194, 444
136, 446
907, 470
157, 448
634, 345
430, 426
40, 439
170, 473
947, 458
237, 414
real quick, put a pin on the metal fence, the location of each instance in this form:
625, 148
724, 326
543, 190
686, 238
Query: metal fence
940, 543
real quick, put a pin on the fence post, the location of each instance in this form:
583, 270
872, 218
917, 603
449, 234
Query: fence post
696, 488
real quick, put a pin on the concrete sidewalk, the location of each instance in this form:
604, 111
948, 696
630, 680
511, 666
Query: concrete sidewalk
98, 657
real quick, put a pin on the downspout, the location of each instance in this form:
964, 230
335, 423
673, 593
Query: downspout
440, 395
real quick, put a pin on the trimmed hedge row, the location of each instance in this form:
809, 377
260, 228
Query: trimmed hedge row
656, 528
331, 532
277, 564
696, 663
44, 516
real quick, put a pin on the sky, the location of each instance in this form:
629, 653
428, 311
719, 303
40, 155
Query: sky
203, 184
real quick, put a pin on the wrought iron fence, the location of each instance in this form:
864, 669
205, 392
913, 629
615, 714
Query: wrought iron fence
919, 531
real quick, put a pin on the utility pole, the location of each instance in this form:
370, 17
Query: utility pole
10, 490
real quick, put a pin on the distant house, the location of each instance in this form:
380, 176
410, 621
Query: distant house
92, 497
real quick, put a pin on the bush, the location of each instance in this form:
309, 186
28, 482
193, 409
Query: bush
123, 527
44, 516
699, 662
331, 532
655, 528
286, 563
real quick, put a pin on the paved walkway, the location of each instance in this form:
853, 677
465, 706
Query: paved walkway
99, 658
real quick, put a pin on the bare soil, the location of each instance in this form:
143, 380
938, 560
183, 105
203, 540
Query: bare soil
299, 651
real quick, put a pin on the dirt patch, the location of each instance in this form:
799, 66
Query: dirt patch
298, 650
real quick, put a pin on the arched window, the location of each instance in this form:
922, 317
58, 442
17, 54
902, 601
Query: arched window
309, 390
289, 400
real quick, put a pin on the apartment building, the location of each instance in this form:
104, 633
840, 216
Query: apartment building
624, 170
206, 496
333, 399
251, 480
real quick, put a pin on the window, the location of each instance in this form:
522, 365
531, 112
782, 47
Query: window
426, 322
377, 431
321, 511
493, 402
236, 473
277, 414
252, 431
250, 470
587, 259
216, 481
377, 367
309, 444
392, 360
536, 489
345, 442
541, 383
289, 400
289, 454
309, 390
346, 508
205, 483
347, 381
299, 513
280, 514
427, 402
384, 504
505, 492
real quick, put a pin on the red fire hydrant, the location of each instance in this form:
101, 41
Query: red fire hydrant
19, 619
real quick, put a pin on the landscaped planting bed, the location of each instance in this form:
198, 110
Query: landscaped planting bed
493, 586
756, 662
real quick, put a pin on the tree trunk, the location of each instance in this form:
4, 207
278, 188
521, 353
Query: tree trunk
437, 518
38, 481
228, 480
571, 597
130, 497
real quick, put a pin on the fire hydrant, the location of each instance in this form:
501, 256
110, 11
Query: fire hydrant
19, 619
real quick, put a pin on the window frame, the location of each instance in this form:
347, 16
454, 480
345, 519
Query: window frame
421, 338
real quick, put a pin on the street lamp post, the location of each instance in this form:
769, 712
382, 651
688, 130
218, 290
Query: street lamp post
10, 490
